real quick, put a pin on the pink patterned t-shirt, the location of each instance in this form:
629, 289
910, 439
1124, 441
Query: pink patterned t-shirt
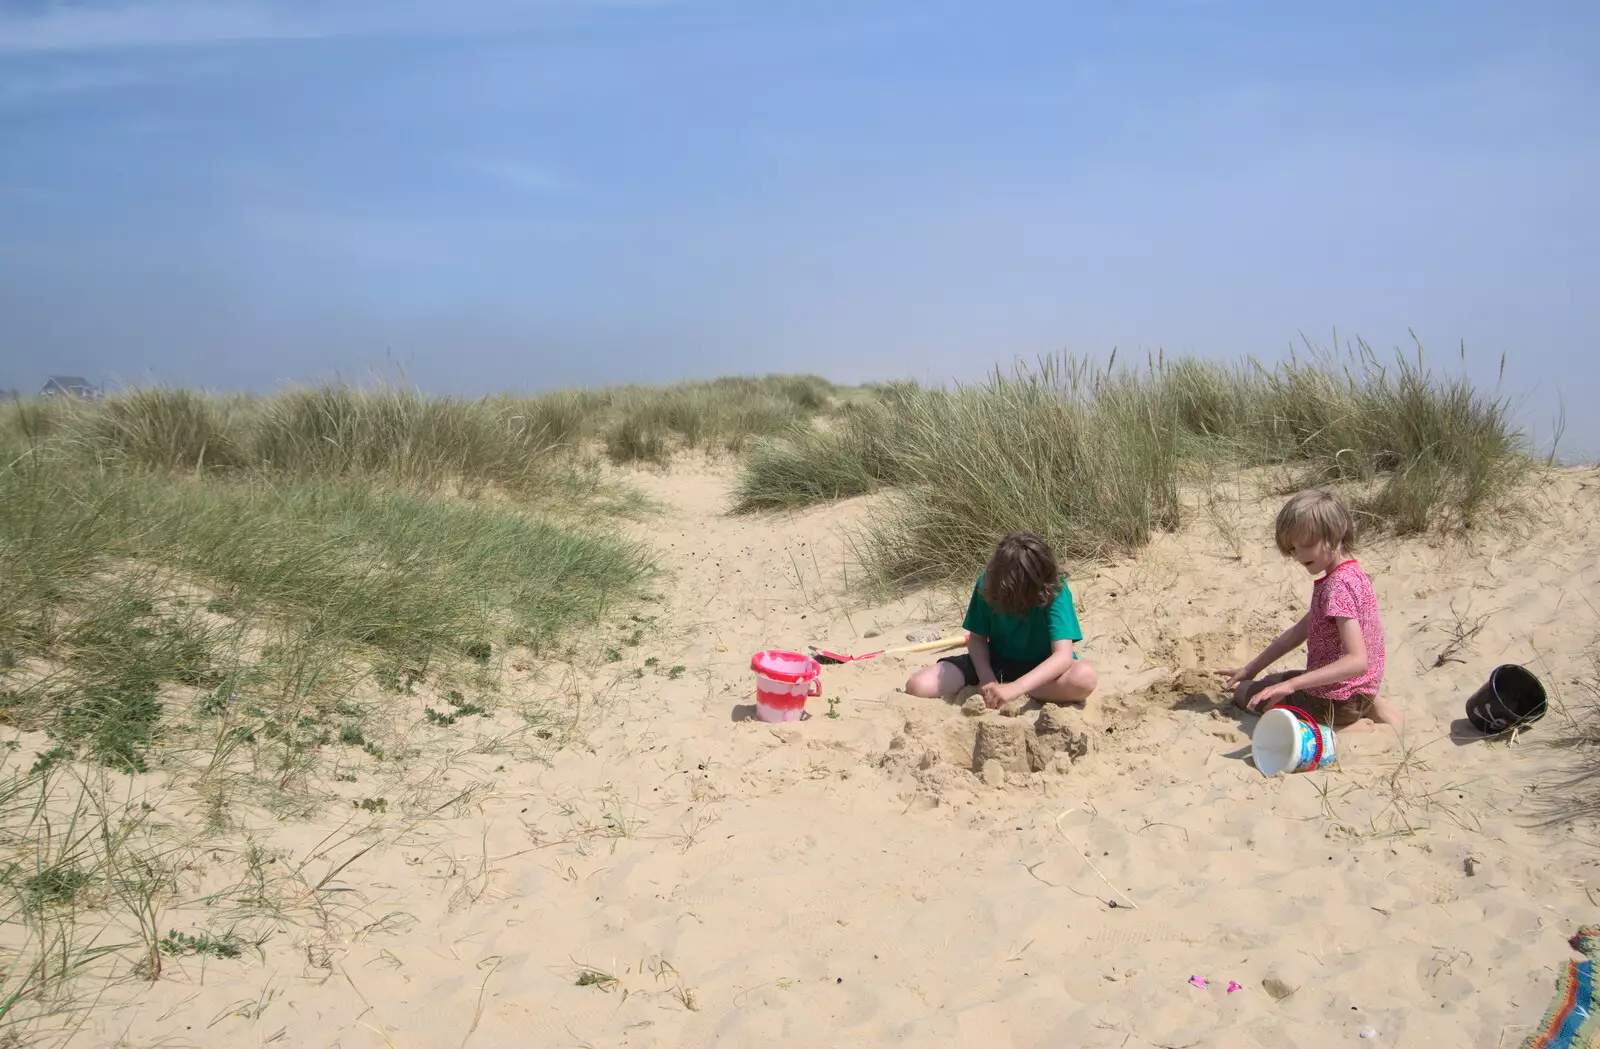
1344, 593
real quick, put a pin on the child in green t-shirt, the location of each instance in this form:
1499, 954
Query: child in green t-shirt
1020, 628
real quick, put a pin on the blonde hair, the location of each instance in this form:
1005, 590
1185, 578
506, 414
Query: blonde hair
1319, 515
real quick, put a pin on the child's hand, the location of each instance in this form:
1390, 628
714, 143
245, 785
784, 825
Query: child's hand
1265, 697
1231, 676
996, 695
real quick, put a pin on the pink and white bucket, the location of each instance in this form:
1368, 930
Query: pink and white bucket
1287, 739
783, 681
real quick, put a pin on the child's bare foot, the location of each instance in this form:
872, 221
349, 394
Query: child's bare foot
1387, 714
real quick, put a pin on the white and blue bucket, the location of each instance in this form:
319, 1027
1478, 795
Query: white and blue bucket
1287, 739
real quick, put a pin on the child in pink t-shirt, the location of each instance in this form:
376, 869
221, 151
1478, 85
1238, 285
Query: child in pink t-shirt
1342, 633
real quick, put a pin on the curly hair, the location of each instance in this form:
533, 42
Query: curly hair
1021, 575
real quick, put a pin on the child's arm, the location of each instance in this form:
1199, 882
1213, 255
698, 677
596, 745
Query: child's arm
1351, 664
978, 650
1281, 646
1055, 665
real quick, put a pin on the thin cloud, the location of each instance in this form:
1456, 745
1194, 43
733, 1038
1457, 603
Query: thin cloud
81, 27
523, 176
41, 86
96, 26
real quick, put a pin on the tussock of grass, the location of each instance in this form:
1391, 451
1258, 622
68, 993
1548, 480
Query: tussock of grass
1430, 450
1092, 458
399, 435
1577, 732
1083, 457
305, 581
632, 439
857, 452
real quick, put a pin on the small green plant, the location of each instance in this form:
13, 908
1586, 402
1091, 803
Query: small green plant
461, 709
49, 759
116, 724
180, 945
591, 977
613, 655
676, 672
59, 884
833, 707
351, 736
652, 661
372, 804
392, 679
479, 650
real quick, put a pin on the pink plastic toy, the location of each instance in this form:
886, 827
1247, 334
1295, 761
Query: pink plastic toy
783, 681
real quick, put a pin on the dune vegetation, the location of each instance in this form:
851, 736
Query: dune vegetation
247, 599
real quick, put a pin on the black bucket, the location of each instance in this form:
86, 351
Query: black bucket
1512, 697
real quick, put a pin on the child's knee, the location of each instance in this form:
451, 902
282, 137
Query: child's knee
1081, 679
924, 683
1073, 686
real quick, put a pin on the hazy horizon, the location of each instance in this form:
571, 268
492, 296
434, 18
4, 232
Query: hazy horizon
486, 195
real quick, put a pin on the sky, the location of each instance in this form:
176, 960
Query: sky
488, 195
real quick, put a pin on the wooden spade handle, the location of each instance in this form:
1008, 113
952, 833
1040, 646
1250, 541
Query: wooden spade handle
953, 641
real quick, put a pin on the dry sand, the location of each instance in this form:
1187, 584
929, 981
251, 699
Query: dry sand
851, 881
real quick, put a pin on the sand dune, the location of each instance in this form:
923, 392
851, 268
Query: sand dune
852, 882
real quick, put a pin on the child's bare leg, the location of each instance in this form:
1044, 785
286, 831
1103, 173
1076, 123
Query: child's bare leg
1384, 713
1375, 712
1072, 687
941, 679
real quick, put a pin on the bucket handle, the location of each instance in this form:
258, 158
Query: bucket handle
1316, 731
815, 687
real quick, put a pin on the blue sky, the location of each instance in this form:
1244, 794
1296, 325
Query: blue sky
496, 194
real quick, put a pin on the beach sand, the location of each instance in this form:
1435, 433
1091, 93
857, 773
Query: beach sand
853, 882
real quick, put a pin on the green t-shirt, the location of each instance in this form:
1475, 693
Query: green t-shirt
1027, 637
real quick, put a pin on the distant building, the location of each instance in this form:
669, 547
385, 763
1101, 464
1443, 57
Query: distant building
70, 386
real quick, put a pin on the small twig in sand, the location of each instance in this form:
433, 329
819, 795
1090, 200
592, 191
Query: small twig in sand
1157, 823
1031, 869
1509, 1027
1085, 857
477, 1012
378, 1030
1461, 635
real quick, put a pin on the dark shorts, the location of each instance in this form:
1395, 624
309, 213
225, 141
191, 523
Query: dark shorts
1004, 669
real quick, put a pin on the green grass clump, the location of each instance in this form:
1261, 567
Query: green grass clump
853, 455
632, 439
307, 584
396, 435
1423, 450
1083, 457
1092, 458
